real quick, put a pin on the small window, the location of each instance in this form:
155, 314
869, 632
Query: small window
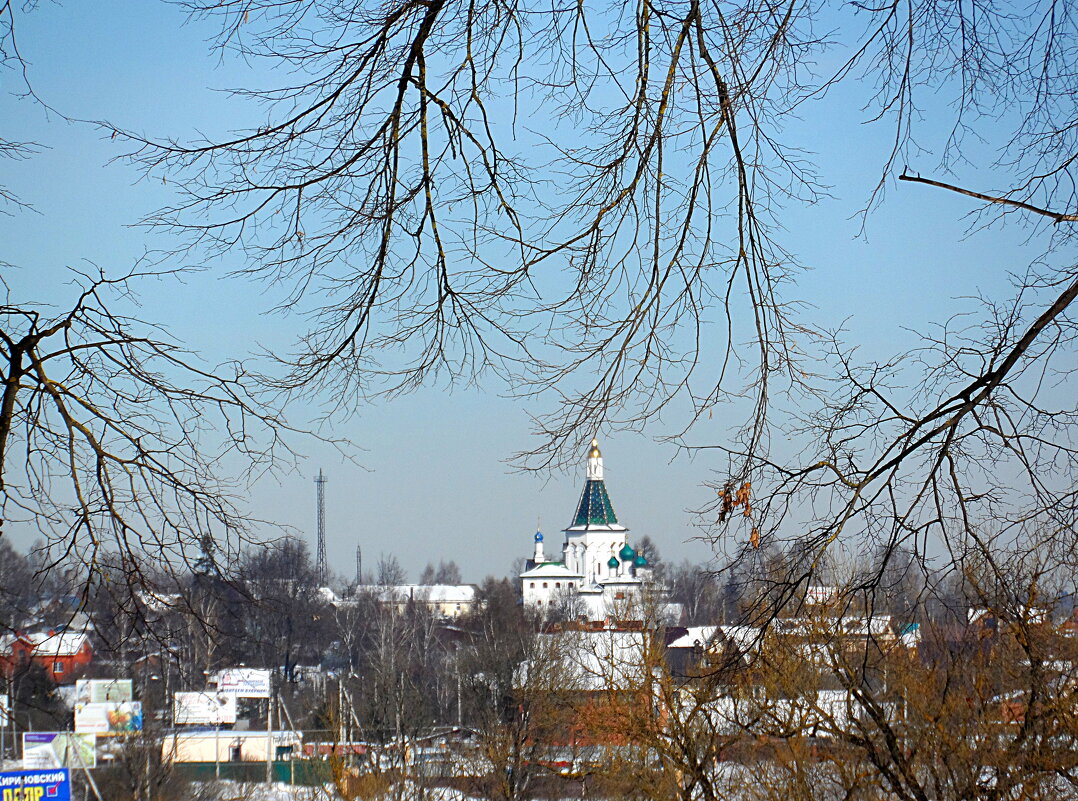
557, 585
57, 667
544, 585
533, 585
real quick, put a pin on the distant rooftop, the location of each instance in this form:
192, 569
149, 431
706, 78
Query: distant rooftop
48, 643
430, 593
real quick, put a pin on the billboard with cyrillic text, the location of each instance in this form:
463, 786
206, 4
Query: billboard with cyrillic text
35, 785
244, 682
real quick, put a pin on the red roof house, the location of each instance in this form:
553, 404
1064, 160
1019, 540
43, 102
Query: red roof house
64, 655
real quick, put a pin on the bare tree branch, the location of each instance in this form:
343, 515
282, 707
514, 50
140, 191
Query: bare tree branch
1055, 216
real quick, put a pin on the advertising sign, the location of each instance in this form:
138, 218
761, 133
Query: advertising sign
111, 718
35, 785
244, 682
103, 691
206, 709
42, 750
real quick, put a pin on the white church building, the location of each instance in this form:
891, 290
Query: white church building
597, 571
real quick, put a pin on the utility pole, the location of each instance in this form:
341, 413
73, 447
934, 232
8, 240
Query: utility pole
320, 487
269, 733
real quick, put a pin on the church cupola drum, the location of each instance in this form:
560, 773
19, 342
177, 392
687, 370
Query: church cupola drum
592, 574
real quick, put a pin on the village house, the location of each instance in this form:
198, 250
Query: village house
441, 600
64, 655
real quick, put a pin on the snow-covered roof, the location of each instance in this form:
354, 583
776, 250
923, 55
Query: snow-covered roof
746, 638
328, 595
550, 570
619, 581
430, 593
160, 601
44, 643
695, 634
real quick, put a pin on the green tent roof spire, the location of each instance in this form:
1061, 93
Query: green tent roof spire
595, 508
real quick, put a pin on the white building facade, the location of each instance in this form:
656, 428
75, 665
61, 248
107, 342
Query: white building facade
597, 572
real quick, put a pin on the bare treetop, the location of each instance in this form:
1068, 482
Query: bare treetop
567, 194
113, 438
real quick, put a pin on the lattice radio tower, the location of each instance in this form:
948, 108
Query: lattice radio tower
320, 487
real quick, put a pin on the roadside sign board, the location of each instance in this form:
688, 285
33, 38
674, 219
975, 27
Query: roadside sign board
35, 785
244, 682
104, 691
206, 709
42, 750
110, 718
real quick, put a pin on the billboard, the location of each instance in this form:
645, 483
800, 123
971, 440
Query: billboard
103, 691
42, 750
34, 785
110, 718
244, 682
206, 709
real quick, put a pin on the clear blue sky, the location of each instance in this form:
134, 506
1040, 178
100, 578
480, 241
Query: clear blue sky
434, 483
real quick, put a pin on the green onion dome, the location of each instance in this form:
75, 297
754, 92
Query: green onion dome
613, 562
627, 553
640, 561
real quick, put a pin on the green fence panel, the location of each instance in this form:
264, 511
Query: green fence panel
298, 771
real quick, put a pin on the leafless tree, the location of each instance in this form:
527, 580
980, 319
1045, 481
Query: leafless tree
697, 590
391, 188
285, 619
395, 187
976, 461
17, 593
390, 572
973, 710
444, 573
112, 436
11, 61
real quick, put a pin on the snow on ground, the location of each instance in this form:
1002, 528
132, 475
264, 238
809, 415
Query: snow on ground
239, 791
243, 791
